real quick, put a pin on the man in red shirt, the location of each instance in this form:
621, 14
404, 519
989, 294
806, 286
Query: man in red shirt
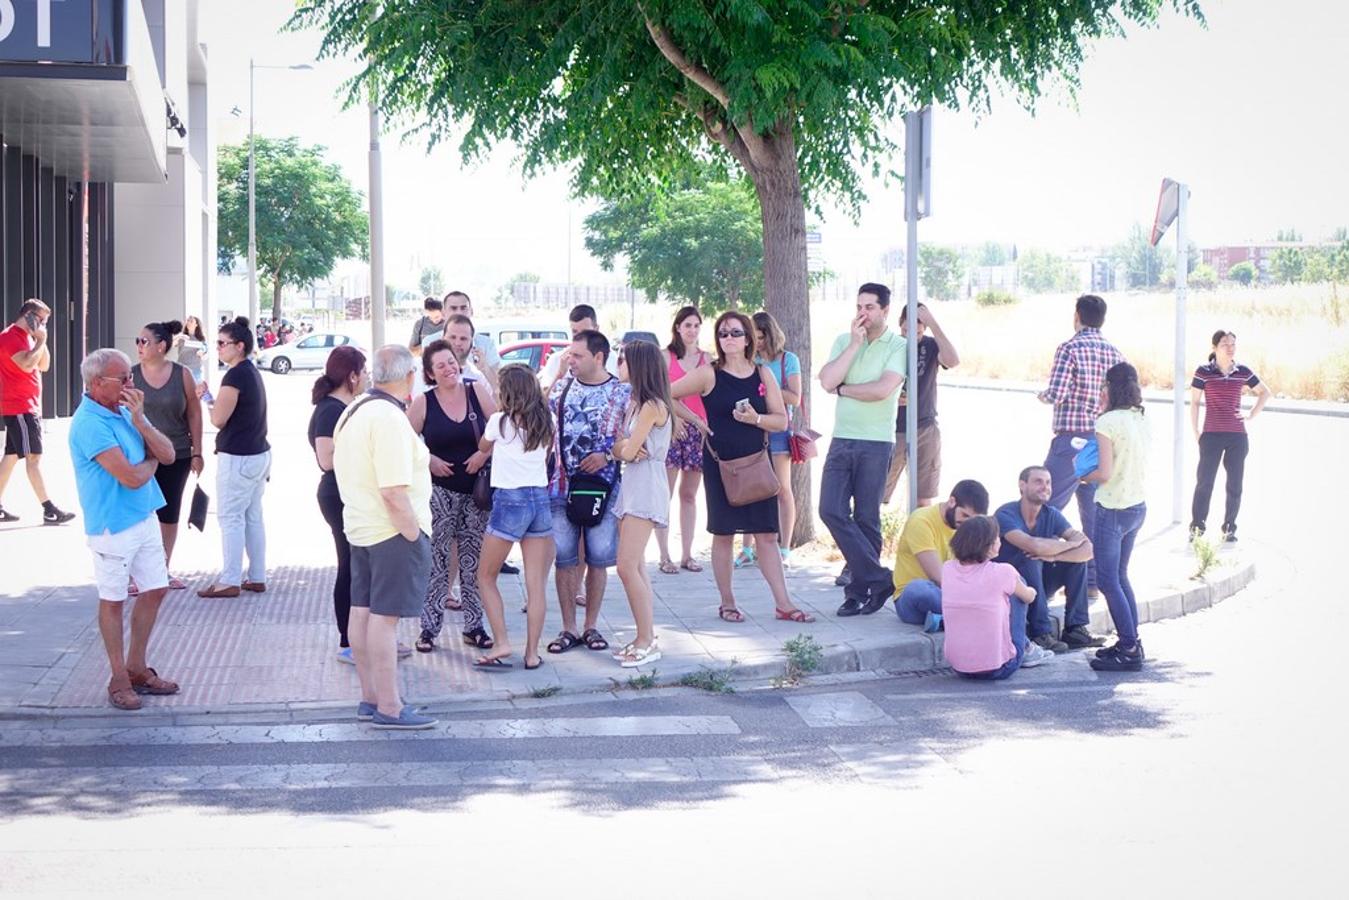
23, 357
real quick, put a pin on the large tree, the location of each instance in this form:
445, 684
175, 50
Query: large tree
701, 245
799, 94
308, 214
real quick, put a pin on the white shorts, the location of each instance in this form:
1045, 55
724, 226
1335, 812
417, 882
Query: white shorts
137, 552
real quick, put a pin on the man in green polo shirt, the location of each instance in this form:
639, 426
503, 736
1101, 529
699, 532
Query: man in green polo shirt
865, 372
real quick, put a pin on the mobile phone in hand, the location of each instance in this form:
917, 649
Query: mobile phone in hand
743, 404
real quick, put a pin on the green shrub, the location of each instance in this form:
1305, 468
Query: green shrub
804, 655
994, 298
1242, 273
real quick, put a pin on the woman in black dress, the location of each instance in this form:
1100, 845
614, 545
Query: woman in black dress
734, 433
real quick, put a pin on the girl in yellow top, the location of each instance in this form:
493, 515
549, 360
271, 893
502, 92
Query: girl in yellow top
1122, 437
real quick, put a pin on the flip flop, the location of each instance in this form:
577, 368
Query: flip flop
529, 668
176, 583
492, 664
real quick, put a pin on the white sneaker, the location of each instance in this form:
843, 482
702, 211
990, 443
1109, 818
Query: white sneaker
1035, 655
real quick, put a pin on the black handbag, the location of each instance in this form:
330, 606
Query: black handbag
482, 482
196, 515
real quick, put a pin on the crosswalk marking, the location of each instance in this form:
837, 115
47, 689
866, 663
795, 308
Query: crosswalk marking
837, 710
545, 773
463, 729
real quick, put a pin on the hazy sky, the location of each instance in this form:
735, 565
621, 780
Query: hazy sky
1247, 111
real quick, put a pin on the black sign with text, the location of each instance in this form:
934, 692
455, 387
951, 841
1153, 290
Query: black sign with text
63, 31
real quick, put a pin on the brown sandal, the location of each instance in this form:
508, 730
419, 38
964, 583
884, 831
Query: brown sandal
123, 698
149, 682
730, 614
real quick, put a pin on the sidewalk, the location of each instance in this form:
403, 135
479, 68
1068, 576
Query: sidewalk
275, 652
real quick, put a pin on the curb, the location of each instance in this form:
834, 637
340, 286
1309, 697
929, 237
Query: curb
912, 652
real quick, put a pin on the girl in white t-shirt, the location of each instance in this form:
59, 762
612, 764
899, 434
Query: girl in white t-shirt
518, 437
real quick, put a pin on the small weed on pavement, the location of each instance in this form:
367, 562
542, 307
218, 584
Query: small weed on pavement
542, 693
716, 681
1205, 554
804, 655
644, 681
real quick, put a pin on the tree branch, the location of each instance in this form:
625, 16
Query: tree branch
690, 70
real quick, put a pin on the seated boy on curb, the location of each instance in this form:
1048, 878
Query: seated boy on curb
985, 629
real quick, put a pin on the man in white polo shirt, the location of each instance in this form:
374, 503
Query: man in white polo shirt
384, 477
115, 451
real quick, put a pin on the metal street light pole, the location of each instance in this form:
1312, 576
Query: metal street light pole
252, 194
377, 308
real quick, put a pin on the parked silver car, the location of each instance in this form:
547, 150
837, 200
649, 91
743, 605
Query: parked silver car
309, 352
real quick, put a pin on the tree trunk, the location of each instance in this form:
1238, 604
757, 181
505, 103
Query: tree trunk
276, 301
786, 297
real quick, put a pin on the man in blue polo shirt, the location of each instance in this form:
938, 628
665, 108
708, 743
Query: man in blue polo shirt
865, 371
1038, 542
115, 451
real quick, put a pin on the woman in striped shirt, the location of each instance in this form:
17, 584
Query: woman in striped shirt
1220, 383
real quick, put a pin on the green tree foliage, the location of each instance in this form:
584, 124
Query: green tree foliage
1287, 265
1143, 263
1203, 278
631, 94
991, 253
308, 214
701, 245
1339, 262
1042, 272
1242, 273
1291, 235
1317, 268
431, 281
941, 272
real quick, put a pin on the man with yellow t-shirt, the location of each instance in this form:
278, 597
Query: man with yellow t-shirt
924, 544
384, 476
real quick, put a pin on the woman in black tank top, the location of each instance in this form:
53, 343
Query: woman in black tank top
172, 406
450, 418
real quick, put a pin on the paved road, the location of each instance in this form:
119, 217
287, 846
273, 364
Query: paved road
1215, 772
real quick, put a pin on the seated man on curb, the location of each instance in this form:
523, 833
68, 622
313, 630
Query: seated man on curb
1048, 554
924, 544
115, 451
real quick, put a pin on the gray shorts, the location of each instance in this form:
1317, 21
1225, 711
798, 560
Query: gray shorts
389, 578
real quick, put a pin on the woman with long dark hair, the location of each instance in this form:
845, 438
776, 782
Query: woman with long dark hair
744, 405
452, 418
243, 463
344, 378
684, 462
1220, 384
1122, 439
518, 438
644, 503
172, 406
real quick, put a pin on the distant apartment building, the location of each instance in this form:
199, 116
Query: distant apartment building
1261, 255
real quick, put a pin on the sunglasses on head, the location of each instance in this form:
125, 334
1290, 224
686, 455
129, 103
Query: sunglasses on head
730, 333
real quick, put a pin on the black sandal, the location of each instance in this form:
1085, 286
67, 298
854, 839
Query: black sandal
594, 640
479, 638
424, 643
563, 642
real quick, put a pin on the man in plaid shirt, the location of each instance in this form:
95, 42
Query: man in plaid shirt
1075, 382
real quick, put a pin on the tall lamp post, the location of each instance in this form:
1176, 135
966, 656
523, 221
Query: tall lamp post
252, 194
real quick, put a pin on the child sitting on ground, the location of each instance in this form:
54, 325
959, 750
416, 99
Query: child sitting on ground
985, 629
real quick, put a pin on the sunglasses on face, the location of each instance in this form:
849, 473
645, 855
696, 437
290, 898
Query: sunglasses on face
143, 342
225, 343
731, 333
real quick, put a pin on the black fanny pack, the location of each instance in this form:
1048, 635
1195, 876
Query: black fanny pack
587, 499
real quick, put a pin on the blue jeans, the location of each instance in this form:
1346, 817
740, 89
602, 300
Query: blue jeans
1048, 577
239, 482
1059, 462
1017, 623
601, 539
850, 506
1116, 530
918, 598
519, 513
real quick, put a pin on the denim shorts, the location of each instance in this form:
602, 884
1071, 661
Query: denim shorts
601, 540
519, 513
779, 442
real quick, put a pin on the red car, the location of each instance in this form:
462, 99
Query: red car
533, 353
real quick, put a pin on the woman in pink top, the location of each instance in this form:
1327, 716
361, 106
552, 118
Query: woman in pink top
985, 630
686, 453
